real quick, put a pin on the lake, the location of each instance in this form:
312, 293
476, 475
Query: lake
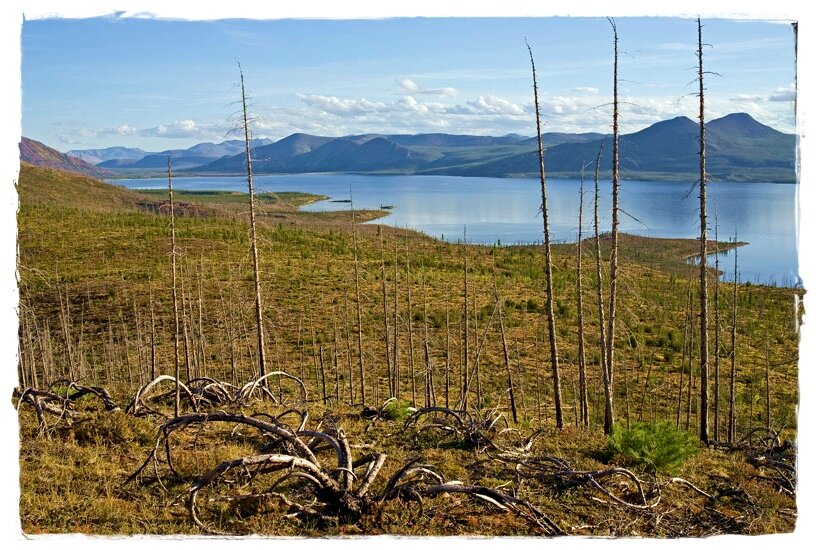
506, 210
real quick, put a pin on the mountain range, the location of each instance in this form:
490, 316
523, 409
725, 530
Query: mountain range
738, 149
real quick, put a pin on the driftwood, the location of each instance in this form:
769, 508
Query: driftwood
476, 433
138, 405
307, 487
208, 392
558, 473
774, 458
49, 402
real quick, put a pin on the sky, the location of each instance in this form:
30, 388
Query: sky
162, 84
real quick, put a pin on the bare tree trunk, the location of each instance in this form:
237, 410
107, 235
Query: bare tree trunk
447, 353
152, 338
348, 350
613, 261
582, 382
559, 421
430, 394
176, 367
386, 330
732, 409
410, 326
465, 358
510, 392
703, 251
254, 239
201, 340
396, 390
359, 312
184, 334
605, 378
767, 372
716, 331
683, 358
323, 378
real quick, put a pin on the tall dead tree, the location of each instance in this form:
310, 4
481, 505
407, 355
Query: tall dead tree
253, 239
387, 339
716, 330
732, 404
559, 421
361, 362
703, 250
613, 260
582, 382
176, 366
466, 317
605, 377
395, 392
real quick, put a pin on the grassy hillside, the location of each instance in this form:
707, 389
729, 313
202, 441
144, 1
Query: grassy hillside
96, 306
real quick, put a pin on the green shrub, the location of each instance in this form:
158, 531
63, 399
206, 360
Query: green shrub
398, 410
660, 445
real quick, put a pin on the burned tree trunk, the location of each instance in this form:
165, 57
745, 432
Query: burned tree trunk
176, 366
559, 421
703, 251
582, 382
613, 261
605, 377
253, 238
360, 359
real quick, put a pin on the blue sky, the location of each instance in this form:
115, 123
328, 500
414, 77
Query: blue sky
159, 84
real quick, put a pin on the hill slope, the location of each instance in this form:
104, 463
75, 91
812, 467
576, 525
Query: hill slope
52, 187
38, 154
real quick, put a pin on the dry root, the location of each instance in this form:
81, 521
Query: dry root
305, 485
206, 392
475, 433
49, 402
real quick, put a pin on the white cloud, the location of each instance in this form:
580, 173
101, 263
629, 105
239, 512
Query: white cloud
783, 94
491, 104
584, 90
184, 129
412, 88
343, 107
408, 85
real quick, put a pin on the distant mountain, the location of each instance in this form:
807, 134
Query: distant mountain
549, 139
95, 156
738, 149
197, 155
269, 157
38, 154
407, 152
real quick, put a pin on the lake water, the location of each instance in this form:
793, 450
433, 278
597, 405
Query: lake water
506, 210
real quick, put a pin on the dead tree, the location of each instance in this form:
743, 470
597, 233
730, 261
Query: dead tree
395, 391
308, 488
613, 261
559, 421
582, 382
387, 332
732, 407
430, 392
466, 315
176, 366
359, 312
410, 323
510, 390
605, 375
253, 236
703, 250
716, 330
